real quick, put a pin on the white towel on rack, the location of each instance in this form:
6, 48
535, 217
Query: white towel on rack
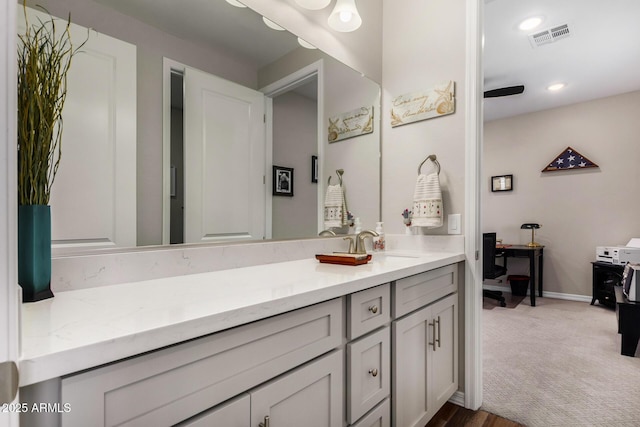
335, 207
427, 202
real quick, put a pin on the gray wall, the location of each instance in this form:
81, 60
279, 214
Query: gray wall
295, 132
578, 210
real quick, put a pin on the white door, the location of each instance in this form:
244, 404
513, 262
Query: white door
8, 210
224, 155
93, 198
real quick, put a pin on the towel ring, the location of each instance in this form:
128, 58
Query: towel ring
434, 159
339, 172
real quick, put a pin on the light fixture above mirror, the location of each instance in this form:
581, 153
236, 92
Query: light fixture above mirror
313, 4
236, 3
269, 23
345, 16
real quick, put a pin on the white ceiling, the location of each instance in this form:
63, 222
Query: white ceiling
601, 57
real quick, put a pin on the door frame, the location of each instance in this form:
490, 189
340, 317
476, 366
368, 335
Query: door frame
472, 223
168, 65
279, 87
9, 289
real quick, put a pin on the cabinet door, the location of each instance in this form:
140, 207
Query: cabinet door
310, 396
425, 354
444, 357
410, 337
234, 413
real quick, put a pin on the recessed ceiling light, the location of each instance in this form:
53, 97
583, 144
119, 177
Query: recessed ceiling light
235, 3
530, 23
556, 86
269, 23
305, 44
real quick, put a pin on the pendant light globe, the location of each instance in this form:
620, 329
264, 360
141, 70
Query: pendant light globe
345, 17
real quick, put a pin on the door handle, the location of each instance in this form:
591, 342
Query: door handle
8, 381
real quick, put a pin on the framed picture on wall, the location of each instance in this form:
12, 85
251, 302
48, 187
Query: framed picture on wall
314, 168
502, 183
282, 181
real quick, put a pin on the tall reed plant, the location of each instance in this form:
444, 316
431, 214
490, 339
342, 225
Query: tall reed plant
44, 59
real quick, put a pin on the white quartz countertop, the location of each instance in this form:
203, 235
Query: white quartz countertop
85, 328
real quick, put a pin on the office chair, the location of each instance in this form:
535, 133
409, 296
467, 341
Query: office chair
491, 270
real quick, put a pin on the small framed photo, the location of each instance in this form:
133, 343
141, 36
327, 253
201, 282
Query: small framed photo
314, 168
502, 183
282, 181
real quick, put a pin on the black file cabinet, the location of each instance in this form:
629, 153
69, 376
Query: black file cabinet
605, 277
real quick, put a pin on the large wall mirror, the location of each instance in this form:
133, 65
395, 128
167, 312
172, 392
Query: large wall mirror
174, 45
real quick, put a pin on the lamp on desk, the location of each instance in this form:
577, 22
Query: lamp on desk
531, 226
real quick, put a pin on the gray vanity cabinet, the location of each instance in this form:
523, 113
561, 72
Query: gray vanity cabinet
384, 356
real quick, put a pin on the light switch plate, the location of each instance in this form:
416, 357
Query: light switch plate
453, 224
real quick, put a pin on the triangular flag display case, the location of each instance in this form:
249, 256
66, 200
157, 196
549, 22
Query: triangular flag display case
569, 159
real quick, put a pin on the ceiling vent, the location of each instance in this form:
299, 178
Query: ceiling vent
550, 35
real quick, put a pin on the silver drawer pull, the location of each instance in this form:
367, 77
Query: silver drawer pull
373, 309
373, 372
265, 423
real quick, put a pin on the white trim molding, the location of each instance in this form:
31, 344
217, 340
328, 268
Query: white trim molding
472, 221
9, 289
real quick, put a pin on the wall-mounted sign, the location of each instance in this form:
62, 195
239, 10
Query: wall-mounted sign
348, 125
435, 102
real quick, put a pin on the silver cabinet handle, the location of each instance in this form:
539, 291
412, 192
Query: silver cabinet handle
373, 372
373, 309
265, 423
436, 337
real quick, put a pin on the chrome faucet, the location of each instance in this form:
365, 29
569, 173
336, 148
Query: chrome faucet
360, 240
327, 233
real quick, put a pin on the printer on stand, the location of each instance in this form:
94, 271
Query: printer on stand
620, 255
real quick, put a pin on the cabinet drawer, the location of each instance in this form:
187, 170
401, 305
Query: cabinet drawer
170, 385
368, 372
368, 310
421, 289
378, 417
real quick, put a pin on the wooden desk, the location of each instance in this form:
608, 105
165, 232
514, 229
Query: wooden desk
524, 251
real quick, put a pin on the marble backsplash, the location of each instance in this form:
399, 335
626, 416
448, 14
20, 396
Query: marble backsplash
113, 267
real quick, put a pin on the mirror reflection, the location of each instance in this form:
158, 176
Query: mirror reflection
210, 191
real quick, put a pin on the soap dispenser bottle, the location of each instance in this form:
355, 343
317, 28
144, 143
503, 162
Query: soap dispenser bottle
379, 242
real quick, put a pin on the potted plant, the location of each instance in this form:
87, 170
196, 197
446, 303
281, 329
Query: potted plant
44, 58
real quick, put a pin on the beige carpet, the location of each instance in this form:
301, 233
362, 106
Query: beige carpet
558, 364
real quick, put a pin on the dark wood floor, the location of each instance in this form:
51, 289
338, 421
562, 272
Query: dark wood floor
451, 415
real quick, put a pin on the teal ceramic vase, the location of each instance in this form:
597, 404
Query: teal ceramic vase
34, 252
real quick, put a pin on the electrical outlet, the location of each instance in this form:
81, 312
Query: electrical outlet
454, 224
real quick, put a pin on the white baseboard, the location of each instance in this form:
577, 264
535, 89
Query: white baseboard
556, 295
568, 297
457, 398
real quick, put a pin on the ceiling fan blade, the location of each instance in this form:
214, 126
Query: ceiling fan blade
504, 91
